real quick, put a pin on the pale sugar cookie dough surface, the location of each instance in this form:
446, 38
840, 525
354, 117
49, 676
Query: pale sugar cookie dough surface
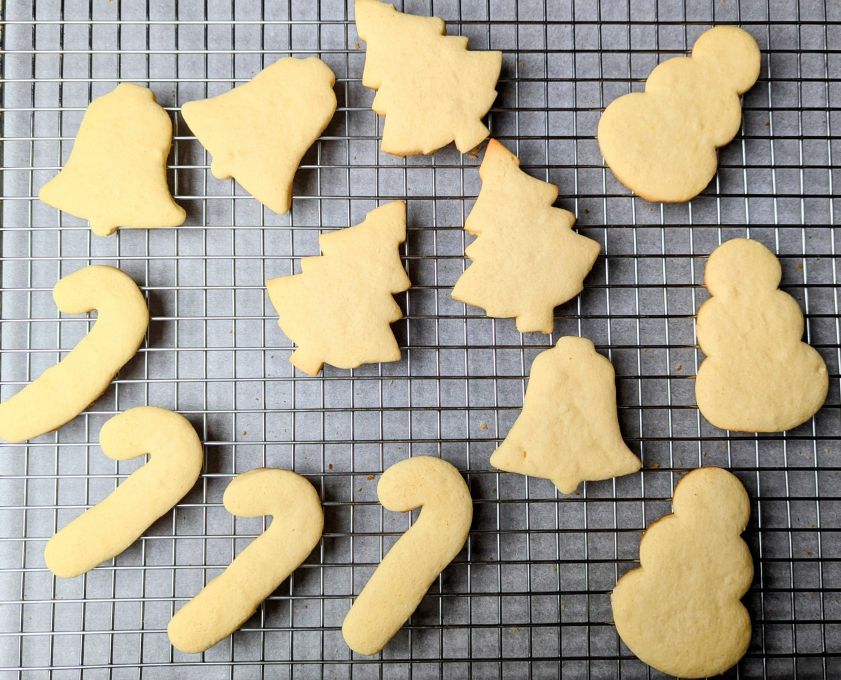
662, 143
526, 258
112, 525
431, 89
410, 567
339, 309
228, 600
116, 174
568, 430
258, 132
680, 612
63, 391
758, 375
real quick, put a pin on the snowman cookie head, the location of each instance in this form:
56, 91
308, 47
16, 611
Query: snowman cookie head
715, 498
732, 54
742, 265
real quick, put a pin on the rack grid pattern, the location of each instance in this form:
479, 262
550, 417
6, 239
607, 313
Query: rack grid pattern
529, 595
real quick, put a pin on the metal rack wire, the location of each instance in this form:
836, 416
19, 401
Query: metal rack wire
528, 597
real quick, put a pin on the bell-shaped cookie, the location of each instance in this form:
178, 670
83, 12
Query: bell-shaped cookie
258, 132
116, 174
568, 431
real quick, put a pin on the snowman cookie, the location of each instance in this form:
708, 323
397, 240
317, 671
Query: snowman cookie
758, 376
662, 143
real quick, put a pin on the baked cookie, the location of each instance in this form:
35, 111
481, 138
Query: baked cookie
527, 260
758, 376
258, 132
230, 599
112, 525
680, 612
63, 391
568, 431
116, 174
662, 143
430, 88
339, 309
415, 561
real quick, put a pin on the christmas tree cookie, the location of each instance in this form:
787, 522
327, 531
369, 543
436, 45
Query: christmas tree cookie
568, 431
680, 612
431, 89
527, 259
339, 309
116, 174
258, 132
758, 376
662, 143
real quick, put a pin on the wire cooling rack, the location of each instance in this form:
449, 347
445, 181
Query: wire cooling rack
529, 595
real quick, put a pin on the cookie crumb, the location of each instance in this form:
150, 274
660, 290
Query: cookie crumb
370, 477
